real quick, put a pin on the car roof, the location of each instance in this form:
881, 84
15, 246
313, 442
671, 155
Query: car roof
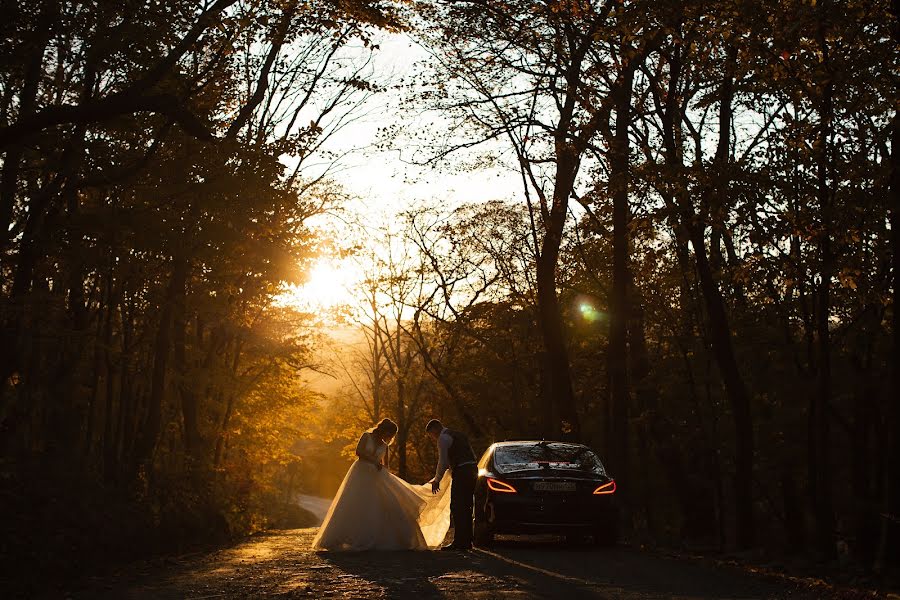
533, 442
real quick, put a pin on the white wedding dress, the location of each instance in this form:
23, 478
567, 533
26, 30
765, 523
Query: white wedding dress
376, 510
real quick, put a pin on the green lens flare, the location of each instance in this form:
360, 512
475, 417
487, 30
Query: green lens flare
588, 312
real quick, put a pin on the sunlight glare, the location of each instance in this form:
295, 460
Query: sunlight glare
329, 284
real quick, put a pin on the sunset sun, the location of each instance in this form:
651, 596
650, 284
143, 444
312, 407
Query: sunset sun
329, 284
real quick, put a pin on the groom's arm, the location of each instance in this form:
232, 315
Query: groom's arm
444, 442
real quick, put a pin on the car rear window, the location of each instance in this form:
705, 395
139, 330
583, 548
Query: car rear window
527, 457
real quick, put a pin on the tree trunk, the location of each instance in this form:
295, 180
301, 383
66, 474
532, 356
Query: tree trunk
718, 209
110, 464
189, 404
866, 521
889, 546
120, 453
402, 426
100, 365
12, 160
739, 398
229, 407
559, 399
11, 325
149, 435
377, 368
821, 417
219, 453
647, 404
719, 327
793, 514
617, 352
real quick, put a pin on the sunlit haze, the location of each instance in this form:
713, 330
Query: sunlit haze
382, 181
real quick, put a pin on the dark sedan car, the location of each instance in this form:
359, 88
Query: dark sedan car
544, 487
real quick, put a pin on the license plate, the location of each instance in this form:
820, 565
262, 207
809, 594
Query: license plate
554, 486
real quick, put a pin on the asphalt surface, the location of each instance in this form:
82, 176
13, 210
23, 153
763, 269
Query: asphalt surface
280, 565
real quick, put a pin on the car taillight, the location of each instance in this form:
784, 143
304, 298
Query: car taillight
499, 486
606, 488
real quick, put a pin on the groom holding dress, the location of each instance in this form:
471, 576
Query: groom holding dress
455, 453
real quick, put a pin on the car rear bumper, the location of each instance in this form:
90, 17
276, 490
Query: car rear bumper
510, 514
522, 528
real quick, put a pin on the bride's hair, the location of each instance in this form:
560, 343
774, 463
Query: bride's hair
386, 427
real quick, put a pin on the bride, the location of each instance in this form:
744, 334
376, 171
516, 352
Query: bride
375, 510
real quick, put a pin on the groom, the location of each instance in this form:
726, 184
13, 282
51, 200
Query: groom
455, 452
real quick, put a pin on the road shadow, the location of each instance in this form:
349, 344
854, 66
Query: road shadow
547, 567
625, 572
439, 574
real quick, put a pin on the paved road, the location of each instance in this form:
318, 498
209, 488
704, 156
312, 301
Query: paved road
279, 564
314, 504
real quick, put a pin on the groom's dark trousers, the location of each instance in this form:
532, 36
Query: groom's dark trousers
462, 492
